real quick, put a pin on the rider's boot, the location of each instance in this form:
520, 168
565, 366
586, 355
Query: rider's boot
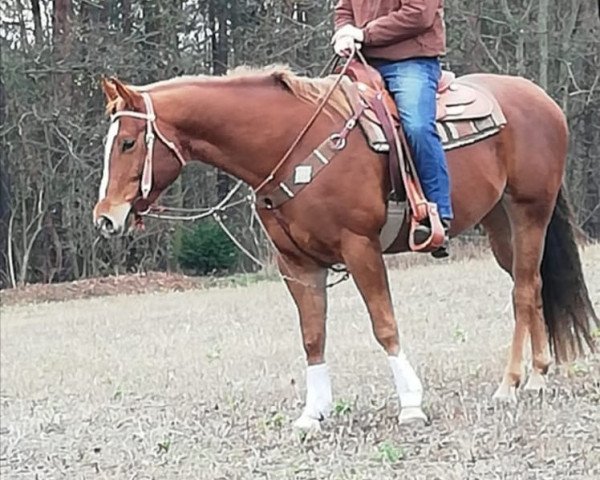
423, 231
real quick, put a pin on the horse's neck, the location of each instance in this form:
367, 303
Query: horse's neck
241, 130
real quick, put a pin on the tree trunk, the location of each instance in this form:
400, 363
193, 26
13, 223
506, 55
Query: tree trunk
475, 59
4, 199
126, 11
518, 30
37, 23
61, 41
543, 42
152, 24
219, 18
570, 24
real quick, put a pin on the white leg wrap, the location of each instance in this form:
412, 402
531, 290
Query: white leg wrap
318, 392
408, 385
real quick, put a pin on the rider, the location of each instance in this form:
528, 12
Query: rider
404, 44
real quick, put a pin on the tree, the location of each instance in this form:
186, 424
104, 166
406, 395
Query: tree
52, 112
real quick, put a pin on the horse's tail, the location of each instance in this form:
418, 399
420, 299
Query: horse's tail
568, 310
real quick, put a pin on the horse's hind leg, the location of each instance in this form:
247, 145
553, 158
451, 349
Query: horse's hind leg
307, 285
497, 226
364, 260
529, 221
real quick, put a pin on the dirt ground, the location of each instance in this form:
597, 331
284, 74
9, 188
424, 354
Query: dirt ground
130, 284
204, 384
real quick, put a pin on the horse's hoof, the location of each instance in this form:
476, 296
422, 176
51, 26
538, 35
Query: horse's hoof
536, 382
506, 393
307, 424
410, 415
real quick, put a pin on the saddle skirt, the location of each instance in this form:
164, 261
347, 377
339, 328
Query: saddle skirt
466, 113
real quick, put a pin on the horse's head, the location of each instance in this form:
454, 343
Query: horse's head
141, 158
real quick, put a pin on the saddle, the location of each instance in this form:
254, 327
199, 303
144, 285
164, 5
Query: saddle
466, 113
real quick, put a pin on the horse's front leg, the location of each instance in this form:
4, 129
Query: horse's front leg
307, 285
364, 260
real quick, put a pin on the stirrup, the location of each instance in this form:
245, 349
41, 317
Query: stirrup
423, 232
437, 236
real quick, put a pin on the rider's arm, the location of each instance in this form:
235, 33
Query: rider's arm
342, 14
411, 19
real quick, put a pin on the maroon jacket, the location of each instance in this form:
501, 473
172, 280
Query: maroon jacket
396, 29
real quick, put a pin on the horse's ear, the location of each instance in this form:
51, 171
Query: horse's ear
133, 100
110, 92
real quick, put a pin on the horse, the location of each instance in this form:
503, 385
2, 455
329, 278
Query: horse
244, 123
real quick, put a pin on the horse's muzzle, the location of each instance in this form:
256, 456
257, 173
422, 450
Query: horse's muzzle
112, 221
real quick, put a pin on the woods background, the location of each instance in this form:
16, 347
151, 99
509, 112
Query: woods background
52, 122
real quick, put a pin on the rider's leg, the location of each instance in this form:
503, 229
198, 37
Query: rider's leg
413, 83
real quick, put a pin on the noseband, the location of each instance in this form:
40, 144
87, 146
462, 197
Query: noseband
152, 131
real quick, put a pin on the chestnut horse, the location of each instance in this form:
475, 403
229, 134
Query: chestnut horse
244, 123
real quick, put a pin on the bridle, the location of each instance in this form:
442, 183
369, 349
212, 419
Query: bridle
152, 131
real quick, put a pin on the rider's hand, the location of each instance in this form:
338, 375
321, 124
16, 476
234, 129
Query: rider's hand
347, 38
344, 45
349, 31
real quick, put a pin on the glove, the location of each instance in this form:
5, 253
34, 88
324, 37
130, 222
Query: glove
349, 31
344, 45
347, 38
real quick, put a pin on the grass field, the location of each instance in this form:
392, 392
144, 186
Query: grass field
206, 384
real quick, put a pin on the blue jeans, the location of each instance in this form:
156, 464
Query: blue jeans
413, 84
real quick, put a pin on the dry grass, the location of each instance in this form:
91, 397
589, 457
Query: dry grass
205, 384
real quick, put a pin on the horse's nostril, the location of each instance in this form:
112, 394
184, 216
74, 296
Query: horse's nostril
105, 224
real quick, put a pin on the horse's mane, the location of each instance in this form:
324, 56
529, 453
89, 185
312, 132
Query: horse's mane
310, 90
237, 74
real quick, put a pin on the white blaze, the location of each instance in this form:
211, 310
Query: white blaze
110, 140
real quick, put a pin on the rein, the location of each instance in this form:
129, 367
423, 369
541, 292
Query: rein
192, 214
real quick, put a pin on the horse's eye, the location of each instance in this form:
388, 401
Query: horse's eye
127, 145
